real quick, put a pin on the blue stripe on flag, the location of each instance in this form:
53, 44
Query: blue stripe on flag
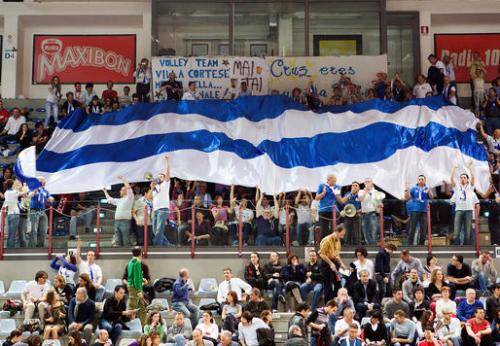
253, 108
372, 143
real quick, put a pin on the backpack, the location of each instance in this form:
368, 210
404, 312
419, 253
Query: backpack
164, 284
12, 306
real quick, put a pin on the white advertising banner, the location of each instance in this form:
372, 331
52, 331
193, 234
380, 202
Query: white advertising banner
215, 77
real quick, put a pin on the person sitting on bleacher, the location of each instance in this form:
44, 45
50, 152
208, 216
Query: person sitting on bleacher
64, 291
272, 273
231, 312
180, 331
364, 294
115, 314
296, 337
467, 306
226, 339
395, 304
32, 296
255, 304
343, 325
299, 318
403, 330
13, 125
55, 316
231, 283
103, 339
459, 274
81, 314
180, 297
247, 329
198, 339
155, 324
65, 266
208, 327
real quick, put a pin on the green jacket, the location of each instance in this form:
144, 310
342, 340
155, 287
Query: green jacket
134, 272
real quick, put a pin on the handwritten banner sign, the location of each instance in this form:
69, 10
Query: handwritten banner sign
215, 77
287, 73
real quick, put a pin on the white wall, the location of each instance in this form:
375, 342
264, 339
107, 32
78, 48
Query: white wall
98, 17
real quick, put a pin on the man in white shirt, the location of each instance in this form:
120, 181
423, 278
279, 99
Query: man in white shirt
32, 296
247, 329
448, 329
371, 200
231, 283
13, 125
343, 325
192, 94
123, 213
161, 206
464, 198
11, 202
91, 268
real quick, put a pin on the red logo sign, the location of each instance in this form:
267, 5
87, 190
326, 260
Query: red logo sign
84, 58
460, 48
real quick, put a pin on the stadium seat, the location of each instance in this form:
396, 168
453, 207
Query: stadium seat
4, 314
2, 288
15, 289
134, 329
208, 288
483, 301
110, 287
51, 342
126, 341
7, 326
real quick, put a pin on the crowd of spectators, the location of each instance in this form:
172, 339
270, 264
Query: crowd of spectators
365, 303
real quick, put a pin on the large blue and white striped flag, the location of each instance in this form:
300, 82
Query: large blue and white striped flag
269, 141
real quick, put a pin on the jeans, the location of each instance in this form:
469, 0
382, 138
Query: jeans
114, 331
482, 282
189, 310
263, 240
86, 218
39, 225
277, 287
51, 110
246, 229
370, 227
99, 294
463, 221
160, 218
317, 289
478, 99
420, 218
140, 234
122, 232
302, 234
13, 229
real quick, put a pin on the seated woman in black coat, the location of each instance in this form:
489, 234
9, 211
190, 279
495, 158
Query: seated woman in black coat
375, 331
253, 272
293, 275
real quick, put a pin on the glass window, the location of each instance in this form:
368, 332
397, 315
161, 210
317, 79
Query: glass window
269, 29
193, 28
400, 52
344, 28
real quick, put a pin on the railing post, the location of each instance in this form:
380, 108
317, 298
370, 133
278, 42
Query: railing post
287, 230
2, 234
476, 227
429, 230
334, 217
51, 221
98, 231
381, 225
192, 231
145, 237
240, 233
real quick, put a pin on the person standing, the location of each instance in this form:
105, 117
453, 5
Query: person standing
40, 200
464, 198
329, 251
52, 100
477, 71
142, 77
135, 280
123, 213
11, 196
91, 268
371, 201
161, 205
171, 89
418, 200
326, 195
352, 223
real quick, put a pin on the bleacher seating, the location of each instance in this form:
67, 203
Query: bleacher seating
208, 288
110, 287
15, 289
6, 326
